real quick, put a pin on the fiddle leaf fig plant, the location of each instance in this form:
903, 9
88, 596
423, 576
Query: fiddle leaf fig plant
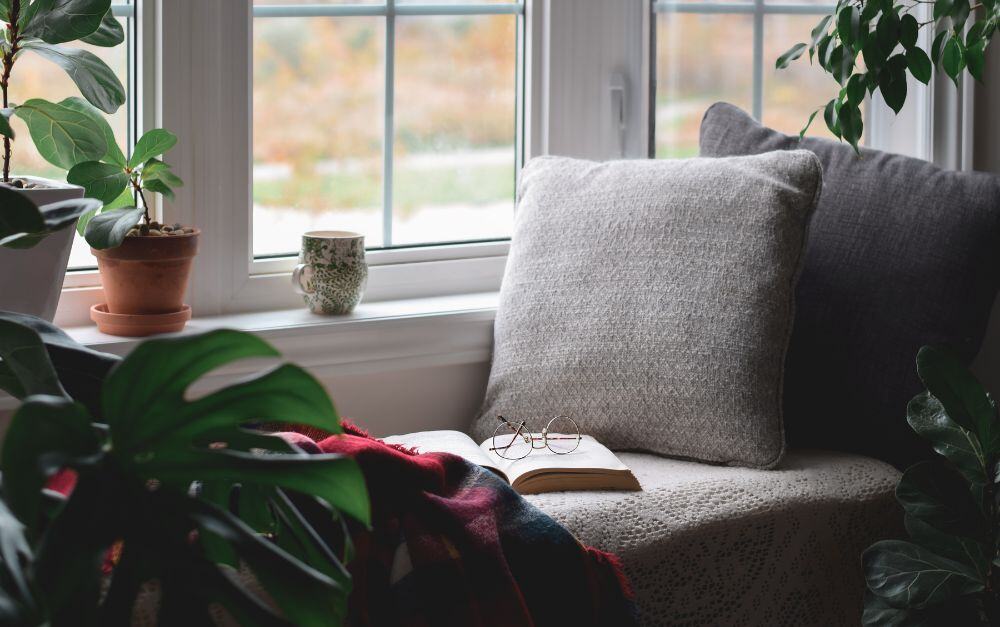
162, 487
949, 570
118, 182
63, 134
870, 46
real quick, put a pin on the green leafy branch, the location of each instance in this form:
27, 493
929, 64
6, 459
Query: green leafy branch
120, 183
63, 135
881, 36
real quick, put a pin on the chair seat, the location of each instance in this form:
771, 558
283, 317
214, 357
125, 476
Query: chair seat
713, 545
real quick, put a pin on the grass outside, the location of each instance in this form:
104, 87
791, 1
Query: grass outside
413, 189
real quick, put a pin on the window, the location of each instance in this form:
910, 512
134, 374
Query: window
706, 51
38, 78
398, 120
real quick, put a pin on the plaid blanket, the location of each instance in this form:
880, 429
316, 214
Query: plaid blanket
452, 544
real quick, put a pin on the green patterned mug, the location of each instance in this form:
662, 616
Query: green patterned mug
332, 272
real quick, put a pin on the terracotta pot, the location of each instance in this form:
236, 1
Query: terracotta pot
147, 275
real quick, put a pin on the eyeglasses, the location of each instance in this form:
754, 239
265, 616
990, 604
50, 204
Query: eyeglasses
515, 441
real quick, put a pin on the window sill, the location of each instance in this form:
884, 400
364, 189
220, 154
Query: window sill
380, 336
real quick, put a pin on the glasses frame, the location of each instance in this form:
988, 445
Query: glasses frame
522, 432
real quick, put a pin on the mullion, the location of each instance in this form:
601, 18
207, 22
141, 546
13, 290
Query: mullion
389, 123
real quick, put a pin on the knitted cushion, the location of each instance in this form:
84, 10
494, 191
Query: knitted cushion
651, 301
901, 254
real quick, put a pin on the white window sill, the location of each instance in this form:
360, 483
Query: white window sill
381, 336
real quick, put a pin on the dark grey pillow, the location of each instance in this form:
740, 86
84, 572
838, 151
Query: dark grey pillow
901, 253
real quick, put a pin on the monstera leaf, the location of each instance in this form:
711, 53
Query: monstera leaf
181, 482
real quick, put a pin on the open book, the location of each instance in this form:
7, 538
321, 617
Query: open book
590, 467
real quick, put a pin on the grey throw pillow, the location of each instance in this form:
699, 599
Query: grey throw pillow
651, 301
901, 253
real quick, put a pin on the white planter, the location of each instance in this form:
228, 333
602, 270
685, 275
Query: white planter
31, 280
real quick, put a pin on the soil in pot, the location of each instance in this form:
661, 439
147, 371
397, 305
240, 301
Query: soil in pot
148, 273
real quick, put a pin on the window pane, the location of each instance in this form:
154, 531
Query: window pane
259, 3
35, 77
453, 176
318, 85
793, 93
700, 59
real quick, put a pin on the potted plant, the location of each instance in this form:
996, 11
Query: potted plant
35, 243
162, 493
144, 265
948, 573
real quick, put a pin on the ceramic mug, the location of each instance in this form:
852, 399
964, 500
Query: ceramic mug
332, 271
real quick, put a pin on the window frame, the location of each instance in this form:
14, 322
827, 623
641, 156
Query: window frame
569, 52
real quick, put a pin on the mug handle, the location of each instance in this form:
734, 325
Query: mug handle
297, 284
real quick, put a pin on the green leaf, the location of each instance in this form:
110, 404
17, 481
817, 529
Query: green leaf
19, 215
114, 154
942, 8
819, 31
61, 21
851, 125
892, 82
152, 144
109, 229
159, 187
887, 33
125, 199
975, 59
286, 393
809, 122
927, 416
81, 370
5, 128
156, 374
109, 34
938, 495
855, 89
960, 611
103, 181
960, 10
908, 28
156, 170
45, 434
849, 24
95, 80
24, 354
4, 10
906, 575
790, 55
953, 58
964, 399
873, 56
17, 603
830, 117
59, 215
920, 66
62, 136
937, 46
972, 552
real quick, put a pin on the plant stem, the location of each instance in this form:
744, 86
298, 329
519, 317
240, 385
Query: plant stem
142, 197
13, 37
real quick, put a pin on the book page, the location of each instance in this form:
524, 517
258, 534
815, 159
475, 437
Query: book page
590, 457
454, 442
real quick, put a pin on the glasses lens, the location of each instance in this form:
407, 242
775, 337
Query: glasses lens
562, 435
510, 445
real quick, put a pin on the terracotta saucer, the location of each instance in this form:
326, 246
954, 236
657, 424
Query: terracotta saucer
139, 325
